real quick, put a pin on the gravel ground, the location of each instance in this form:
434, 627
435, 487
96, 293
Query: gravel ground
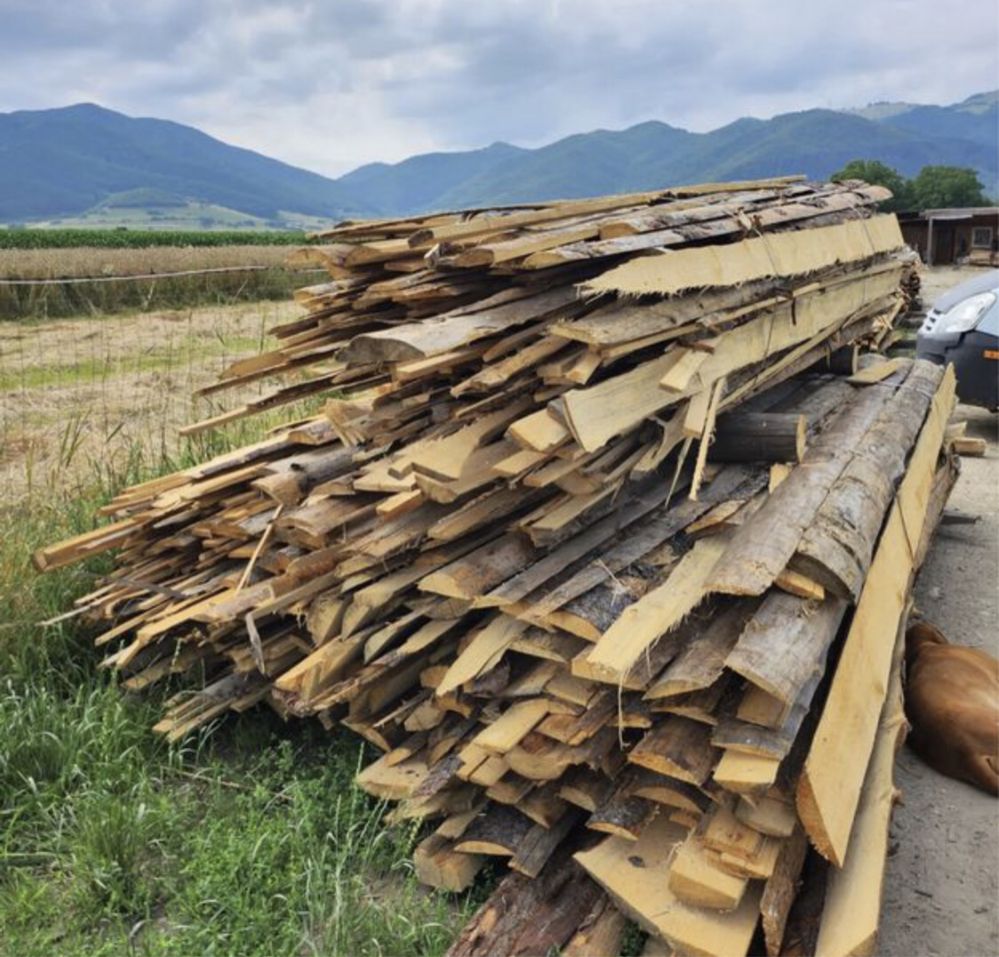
942, 884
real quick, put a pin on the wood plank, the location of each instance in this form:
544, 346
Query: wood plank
459, 328
702, 661
622, 815
829, 788
439, 865
778, 254
540, 843
636, 875
747, 774
619, 403
785, 643
497, 832
643, 622
698, 881
679, 748
852, 910
513, 725
486, 648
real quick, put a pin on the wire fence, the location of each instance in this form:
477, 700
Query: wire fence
78, 280
91, 397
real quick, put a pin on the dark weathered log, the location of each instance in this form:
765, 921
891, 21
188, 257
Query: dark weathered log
524, 917
844, 360
759, 437
498, 831
622, 815
836, 548
784, 644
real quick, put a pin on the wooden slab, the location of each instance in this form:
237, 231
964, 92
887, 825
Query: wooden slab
636, 875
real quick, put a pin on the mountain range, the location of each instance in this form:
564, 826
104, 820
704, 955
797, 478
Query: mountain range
88, 164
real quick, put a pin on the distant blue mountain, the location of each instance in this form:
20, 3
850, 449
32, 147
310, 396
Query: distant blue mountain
62, 162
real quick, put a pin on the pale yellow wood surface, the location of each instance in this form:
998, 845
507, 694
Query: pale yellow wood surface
852, 909
636, 875
700, 882
793, 253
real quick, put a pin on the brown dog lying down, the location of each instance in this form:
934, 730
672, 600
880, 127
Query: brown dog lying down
952, 703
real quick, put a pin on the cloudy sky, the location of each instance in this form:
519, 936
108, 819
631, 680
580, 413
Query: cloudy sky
331, 84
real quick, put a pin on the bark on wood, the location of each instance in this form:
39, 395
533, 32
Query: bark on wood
784, 644
677, 747
623, 816
829, 788
499, 830
524, 917
762, 547
781, 889
836, 548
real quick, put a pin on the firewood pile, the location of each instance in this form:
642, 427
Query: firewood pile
601, 537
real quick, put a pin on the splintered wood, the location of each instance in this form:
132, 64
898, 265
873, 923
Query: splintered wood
593, 533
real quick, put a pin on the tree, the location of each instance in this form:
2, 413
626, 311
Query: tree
938, 187
880, 174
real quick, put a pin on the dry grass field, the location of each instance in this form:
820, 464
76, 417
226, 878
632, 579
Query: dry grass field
88, 394
39, 284
94, 261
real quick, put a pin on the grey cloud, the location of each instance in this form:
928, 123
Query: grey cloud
330, 84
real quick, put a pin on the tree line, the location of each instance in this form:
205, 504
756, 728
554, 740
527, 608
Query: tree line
933, 187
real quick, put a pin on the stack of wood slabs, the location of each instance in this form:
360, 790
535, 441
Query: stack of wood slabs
528, 551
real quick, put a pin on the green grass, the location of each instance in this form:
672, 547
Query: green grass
69, 238
247, 839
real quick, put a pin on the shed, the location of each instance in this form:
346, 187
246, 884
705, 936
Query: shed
943, 236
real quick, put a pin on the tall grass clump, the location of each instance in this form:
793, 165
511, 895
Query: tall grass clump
249, 838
